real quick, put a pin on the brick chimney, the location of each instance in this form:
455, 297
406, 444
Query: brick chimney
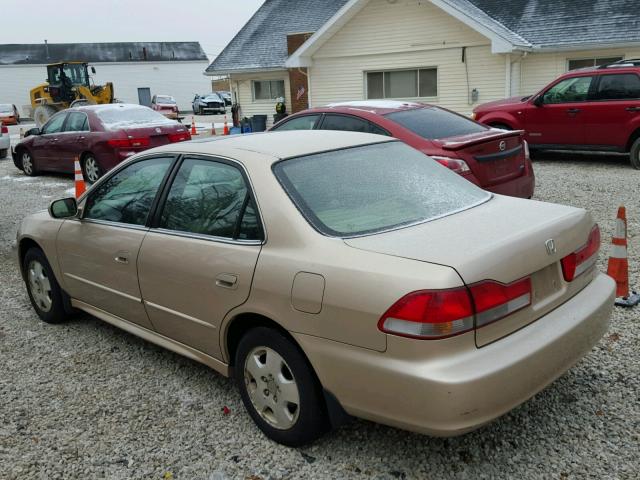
298, 81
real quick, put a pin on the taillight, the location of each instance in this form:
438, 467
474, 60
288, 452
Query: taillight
435, 314
578, 262
129, 142
179, 137
455, 164
4, 129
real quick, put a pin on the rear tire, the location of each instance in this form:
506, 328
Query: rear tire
44, 292
267, 366
635, 154
91, 170
42, 114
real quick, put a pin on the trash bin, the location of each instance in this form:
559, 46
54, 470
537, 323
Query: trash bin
258, 123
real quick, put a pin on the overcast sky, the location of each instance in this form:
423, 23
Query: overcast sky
211, 22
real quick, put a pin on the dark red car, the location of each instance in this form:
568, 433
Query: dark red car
496, 160
588, 109
101, 136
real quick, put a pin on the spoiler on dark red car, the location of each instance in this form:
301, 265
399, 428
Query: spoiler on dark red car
469, 140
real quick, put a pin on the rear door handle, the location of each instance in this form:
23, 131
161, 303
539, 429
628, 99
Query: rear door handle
573, 110
633, 109
122, 257
227, 280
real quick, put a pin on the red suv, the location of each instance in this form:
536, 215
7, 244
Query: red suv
587, 109
495, 160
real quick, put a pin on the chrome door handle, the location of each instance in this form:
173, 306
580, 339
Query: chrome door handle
573, 110
81, 138
227, 280
121, 259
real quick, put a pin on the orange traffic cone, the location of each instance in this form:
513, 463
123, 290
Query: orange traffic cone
213, 128
193, 127
225, 131
80, 186
618, 267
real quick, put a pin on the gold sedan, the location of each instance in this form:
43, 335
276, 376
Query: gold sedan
331, 274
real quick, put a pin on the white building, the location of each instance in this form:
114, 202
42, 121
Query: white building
138, 70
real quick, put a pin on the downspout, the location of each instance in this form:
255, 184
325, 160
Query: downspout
507, 75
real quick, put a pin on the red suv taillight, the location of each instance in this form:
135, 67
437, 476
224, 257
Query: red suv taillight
4, 129
436, 314
585, 257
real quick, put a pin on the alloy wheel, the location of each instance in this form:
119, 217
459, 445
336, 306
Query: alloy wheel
39, 286
91, 169
272, 389
27, 164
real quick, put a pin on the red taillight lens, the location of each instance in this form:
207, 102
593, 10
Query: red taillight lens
4, 129
430, 314
179, 137
578, 262
494, 300
129, 142
435, 314
455, 164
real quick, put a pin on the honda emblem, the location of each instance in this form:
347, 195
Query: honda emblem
503, 146
551, 246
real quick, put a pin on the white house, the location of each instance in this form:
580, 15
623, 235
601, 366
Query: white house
138, 70
454, 53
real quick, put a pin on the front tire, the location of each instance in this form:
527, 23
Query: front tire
279, 388
44, 292
635, 154
28, 164
91, 170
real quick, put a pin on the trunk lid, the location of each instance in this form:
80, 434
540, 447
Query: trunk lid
502, 240
158, 134
494, 157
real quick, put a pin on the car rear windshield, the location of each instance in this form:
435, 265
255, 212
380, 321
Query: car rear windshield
373, 188
434, 123
6, 108
130, 116
161, 99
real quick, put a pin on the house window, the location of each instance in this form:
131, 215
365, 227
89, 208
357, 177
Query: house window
268, 89
591, 62
422, 82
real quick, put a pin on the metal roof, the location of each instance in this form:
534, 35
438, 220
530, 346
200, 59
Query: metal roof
41, 53
262, 43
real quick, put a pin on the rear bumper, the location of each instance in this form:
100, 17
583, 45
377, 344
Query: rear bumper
522, 187
451, 387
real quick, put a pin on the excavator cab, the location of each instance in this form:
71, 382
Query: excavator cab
63, 77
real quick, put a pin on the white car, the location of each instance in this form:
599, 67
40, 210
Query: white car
5, 141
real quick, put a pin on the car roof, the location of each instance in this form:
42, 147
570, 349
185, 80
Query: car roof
375, 107
273, 146
603, 70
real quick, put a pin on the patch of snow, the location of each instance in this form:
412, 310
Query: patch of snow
375, 104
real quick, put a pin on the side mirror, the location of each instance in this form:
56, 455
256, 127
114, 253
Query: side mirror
538, 101
63, 208
32, 131
93, 70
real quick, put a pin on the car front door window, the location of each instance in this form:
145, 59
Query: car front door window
127, 196
54, 125
210, 198
346, 123
569, 90
305, 122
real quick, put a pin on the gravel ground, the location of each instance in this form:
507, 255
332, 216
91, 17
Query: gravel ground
84, 400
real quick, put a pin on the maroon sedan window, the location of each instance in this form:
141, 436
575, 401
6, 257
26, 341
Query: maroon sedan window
304, 122
345, 122
433, 123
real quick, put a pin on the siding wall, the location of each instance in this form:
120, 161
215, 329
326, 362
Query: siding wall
538, 69
407, 34
242, 90
180, 79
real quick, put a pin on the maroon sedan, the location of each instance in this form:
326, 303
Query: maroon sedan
101, 136
496, 160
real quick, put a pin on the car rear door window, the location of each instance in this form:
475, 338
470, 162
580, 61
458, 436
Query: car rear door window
210, 198
569, 90
344, 122
54, 125
434, 123
624, 86
127, 196
305, 122
77, 122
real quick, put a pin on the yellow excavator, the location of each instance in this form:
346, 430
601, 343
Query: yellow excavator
68, 85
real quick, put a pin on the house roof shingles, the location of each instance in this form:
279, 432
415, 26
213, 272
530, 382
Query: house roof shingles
262, 43
36, 54
558, 23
